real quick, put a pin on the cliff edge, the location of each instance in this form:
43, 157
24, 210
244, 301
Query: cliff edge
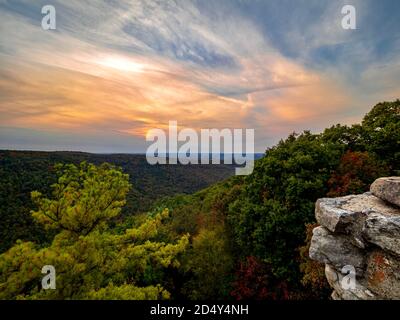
359, 241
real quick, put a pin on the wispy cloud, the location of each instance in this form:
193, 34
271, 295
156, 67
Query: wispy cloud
119, 68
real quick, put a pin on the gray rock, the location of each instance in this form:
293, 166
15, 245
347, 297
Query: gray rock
383, 231
387, 189
330, 214
366, 203
347, 214
363, 232
336, 250
335, 280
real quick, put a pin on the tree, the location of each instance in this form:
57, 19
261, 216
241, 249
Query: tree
85, 198
255, 281
91, 262
355, 173
278, 199
210, 265
381, 133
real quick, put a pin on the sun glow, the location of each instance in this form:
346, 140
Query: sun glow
122, 64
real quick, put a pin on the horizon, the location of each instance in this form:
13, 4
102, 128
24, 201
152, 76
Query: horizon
110, 72
113, 153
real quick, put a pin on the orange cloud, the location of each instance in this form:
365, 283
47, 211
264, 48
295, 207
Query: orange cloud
132, 95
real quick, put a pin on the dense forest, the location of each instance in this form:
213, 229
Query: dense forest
24, 171
240, 238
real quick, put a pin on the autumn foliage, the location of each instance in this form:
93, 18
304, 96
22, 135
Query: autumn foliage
356, 171
254, 281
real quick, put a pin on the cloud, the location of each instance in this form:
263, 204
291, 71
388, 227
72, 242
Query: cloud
124, 67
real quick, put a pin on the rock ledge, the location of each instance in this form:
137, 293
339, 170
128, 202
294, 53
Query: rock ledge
361, 233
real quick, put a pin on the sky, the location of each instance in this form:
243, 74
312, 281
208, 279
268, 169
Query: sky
113, 69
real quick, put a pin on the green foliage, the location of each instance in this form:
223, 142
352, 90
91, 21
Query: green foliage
210, 264
129, 292
24, 171
381, 133
84, 198
278, 199
207, 266
17, 179
91, 261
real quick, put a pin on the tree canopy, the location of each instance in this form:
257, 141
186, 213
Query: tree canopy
91, 262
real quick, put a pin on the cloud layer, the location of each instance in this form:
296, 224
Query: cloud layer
114, 69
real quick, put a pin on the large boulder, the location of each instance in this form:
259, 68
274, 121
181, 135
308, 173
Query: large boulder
330, 213
348, 214
361, 232
387, 189
335, 250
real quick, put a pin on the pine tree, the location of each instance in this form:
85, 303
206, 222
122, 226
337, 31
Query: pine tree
91, 261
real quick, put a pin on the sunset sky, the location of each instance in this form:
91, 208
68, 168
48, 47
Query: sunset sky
114, 69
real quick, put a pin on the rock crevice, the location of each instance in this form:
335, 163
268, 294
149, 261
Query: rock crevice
361, 233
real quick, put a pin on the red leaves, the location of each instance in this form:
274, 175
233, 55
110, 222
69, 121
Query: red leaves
356, 171
255, 281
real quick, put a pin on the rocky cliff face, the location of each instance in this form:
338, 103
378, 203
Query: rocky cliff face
359, 241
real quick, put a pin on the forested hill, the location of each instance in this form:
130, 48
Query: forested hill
24, 171
246, 237
251, 234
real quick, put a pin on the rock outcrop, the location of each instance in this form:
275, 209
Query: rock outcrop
359, 241
387, 189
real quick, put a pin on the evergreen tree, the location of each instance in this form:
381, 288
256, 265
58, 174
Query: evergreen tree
91, 261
